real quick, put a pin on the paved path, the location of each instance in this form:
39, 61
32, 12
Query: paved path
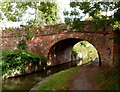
84, 79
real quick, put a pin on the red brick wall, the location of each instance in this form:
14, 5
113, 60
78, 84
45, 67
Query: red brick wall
49, 35
101, 42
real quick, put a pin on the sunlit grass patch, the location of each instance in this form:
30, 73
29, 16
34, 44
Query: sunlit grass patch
59, 81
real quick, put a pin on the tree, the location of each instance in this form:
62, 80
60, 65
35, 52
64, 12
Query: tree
41, 12
93, 10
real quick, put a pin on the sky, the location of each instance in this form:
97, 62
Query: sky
62, 5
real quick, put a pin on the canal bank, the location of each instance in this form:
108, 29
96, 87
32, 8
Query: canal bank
76, 78
26, 82
60, 80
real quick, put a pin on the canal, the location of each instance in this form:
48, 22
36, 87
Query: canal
26, 82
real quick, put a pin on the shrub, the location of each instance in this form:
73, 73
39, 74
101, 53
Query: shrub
16, 59
22, 44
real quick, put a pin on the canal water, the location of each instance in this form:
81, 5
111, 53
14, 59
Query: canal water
26, 82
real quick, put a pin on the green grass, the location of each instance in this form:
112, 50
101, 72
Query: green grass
108, 79
88, 52
59, 81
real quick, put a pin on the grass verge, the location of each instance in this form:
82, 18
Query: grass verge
108, 79
59, 81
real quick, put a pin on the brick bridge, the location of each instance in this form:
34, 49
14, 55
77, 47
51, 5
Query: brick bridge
57, 41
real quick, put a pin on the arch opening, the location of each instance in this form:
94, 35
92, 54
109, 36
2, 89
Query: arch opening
71, 49
84, 52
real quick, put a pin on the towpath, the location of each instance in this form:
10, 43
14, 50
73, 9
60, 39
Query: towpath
85, 78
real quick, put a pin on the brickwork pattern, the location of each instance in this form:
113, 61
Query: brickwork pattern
46, 36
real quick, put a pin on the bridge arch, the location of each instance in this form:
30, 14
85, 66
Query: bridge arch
101, 42
61, 51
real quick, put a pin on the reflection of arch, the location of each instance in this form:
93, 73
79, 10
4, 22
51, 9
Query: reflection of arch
60, 52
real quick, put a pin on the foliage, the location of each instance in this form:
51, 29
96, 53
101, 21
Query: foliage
22, 45
108, 79
88, 52
0, 69
40, 12
74, 52
44, 13
117, 66
16, 59
29, 36
61, 79
49, 12
93, 10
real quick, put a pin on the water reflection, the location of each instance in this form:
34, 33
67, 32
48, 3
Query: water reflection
26, 82
22, 82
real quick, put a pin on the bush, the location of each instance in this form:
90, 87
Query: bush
108, 79
16, 59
